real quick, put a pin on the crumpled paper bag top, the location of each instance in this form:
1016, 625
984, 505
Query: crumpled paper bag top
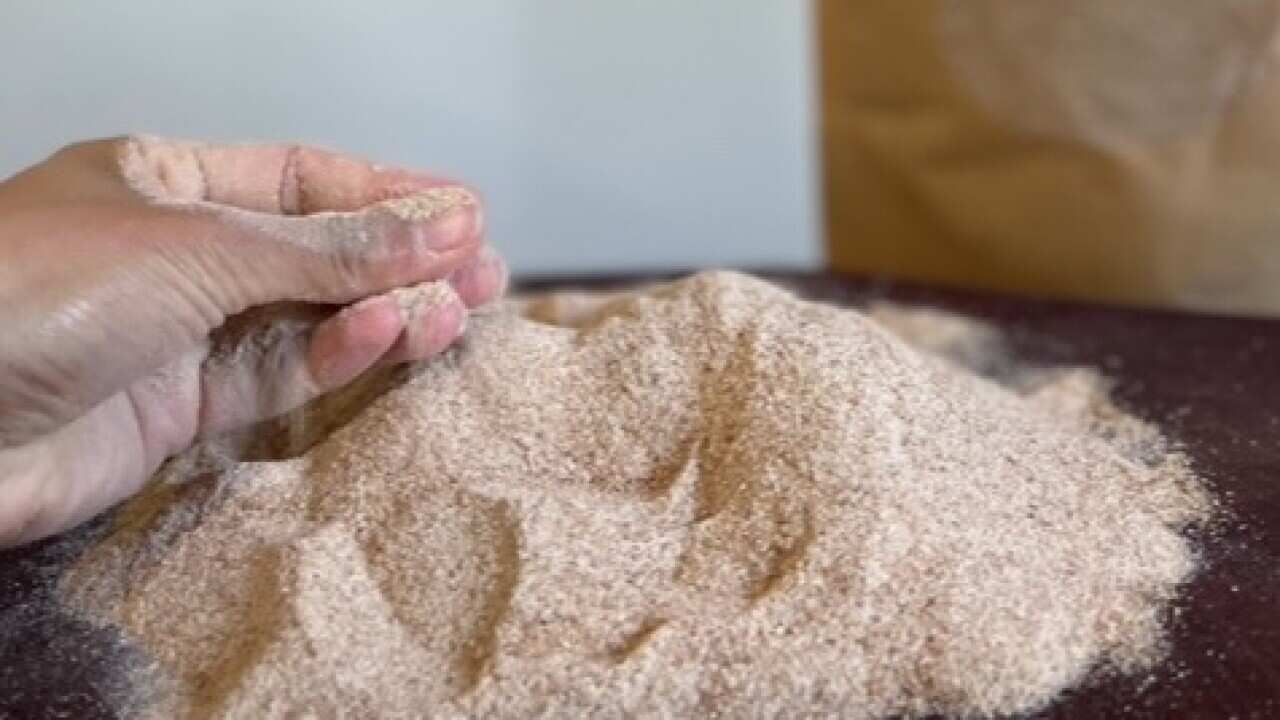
1126, 152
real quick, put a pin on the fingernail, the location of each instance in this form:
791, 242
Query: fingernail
482, 280
433, 315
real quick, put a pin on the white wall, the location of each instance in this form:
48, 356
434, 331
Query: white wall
606, 134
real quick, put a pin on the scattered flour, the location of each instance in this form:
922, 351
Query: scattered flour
429, 204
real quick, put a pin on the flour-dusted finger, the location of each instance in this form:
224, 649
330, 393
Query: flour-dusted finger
284, 178
272, 361
338, 257
271, 223
482, 279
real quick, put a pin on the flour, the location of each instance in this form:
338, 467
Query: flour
709, 499
173, 173
429, 204
417, 301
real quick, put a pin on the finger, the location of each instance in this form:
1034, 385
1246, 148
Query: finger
299, 223
433, 316
482, 279
337, 257
68, 476
286, 179
276, 365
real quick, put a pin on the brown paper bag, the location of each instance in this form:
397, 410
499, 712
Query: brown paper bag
1123, 151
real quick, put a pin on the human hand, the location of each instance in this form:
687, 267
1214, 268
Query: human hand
133, 277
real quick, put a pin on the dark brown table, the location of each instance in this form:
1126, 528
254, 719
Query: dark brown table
1213, 384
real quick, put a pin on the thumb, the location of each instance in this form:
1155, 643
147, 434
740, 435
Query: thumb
338, 257
300, 223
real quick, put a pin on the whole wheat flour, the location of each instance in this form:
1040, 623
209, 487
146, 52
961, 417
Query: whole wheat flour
710, 498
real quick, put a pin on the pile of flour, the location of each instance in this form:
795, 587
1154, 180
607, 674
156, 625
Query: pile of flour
707, 498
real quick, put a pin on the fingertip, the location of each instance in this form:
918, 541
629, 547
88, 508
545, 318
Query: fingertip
442, 221
458, 228
433, 316
482, 280
441, 328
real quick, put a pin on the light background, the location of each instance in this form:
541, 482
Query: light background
618, 135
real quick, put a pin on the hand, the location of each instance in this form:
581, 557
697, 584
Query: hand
133, 277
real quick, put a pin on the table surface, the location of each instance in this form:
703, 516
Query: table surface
1212, 383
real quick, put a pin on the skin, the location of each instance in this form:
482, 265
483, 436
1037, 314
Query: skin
145, 306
